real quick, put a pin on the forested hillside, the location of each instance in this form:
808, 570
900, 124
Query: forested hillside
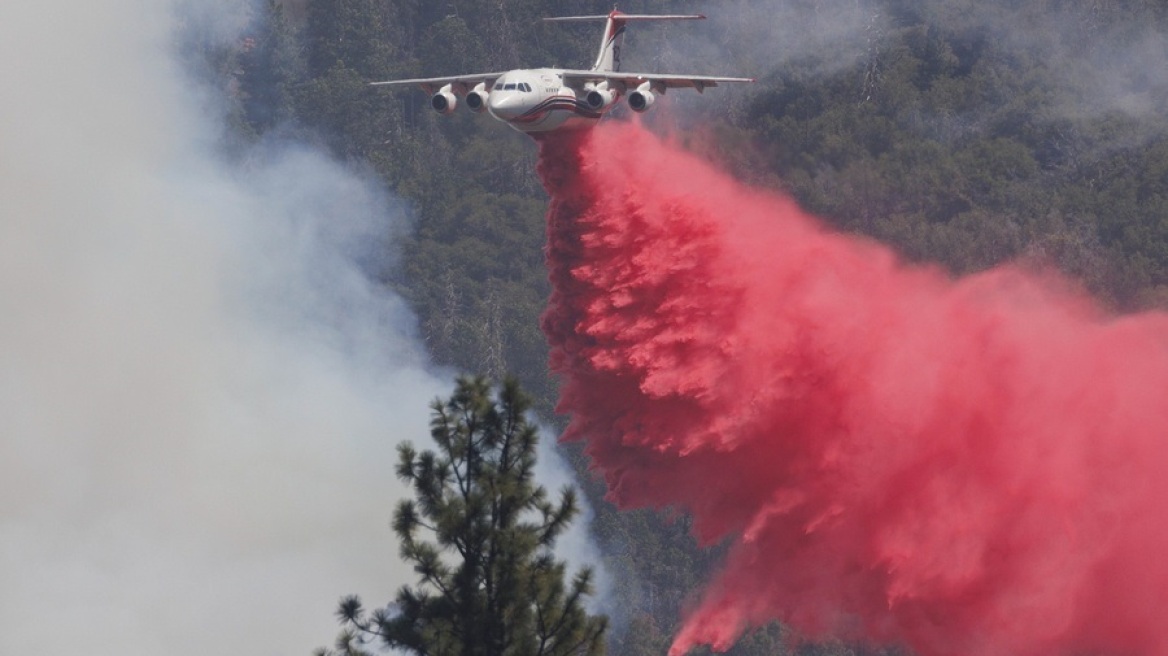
959, 132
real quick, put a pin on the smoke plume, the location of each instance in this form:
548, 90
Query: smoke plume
200, 390
961, 466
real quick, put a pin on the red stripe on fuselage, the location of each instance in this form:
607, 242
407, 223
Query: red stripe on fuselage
562, 103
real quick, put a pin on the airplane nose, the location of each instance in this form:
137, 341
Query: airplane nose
503, 106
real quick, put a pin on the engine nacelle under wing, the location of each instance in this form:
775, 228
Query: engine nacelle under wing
641, 101
599, 97
642, 98
444, 102
476, 98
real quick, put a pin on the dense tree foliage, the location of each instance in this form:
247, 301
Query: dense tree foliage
960, 132
490, 585
964, 139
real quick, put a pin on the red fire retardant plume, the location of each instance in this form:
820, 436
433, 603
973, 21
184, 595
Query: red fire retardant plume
966, 467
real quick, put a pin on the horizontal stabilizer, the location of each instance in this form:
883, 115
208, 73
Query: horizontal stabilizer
614, 33
627, 17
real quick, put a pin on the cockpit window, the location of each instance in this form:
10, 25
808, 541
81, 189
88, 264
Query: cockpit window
524, 87
508, 87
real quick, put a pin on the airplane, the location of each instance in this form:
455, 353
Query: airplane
544, 99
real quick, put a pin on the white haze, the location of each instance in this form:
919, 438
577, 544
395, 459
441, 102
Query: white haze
575, 546
200, 391
751, 38
1099, 61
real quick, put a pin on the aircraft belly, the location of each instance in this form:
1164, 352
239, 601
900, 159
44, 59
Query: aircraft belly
556, 118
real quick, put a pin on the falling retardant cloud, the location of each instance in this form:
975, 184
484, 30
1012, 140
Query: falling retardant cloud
958, 466
200, 390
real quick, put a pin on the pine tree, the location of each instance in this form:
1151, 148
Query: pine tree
489, 583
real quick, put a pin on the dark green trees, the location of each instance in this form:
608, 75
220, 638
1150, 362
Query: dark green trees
489, 584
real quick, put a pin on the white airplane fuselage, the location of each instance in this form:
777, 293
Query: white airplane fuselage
537, 100
545, 99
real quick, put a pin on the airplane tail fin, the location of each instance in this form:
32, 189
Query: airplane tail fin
614, 33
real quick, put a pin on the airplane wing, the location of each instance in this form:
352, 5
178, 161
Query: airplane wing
462, 83
658, 81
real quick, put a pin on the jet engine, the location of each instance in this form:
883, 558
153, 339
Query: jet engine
641, 99
599, 97
476, 98
444, 101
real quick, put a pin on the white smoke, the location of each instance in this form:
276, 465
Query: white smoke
575, 546
200, 391
747, 38
1094, 60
